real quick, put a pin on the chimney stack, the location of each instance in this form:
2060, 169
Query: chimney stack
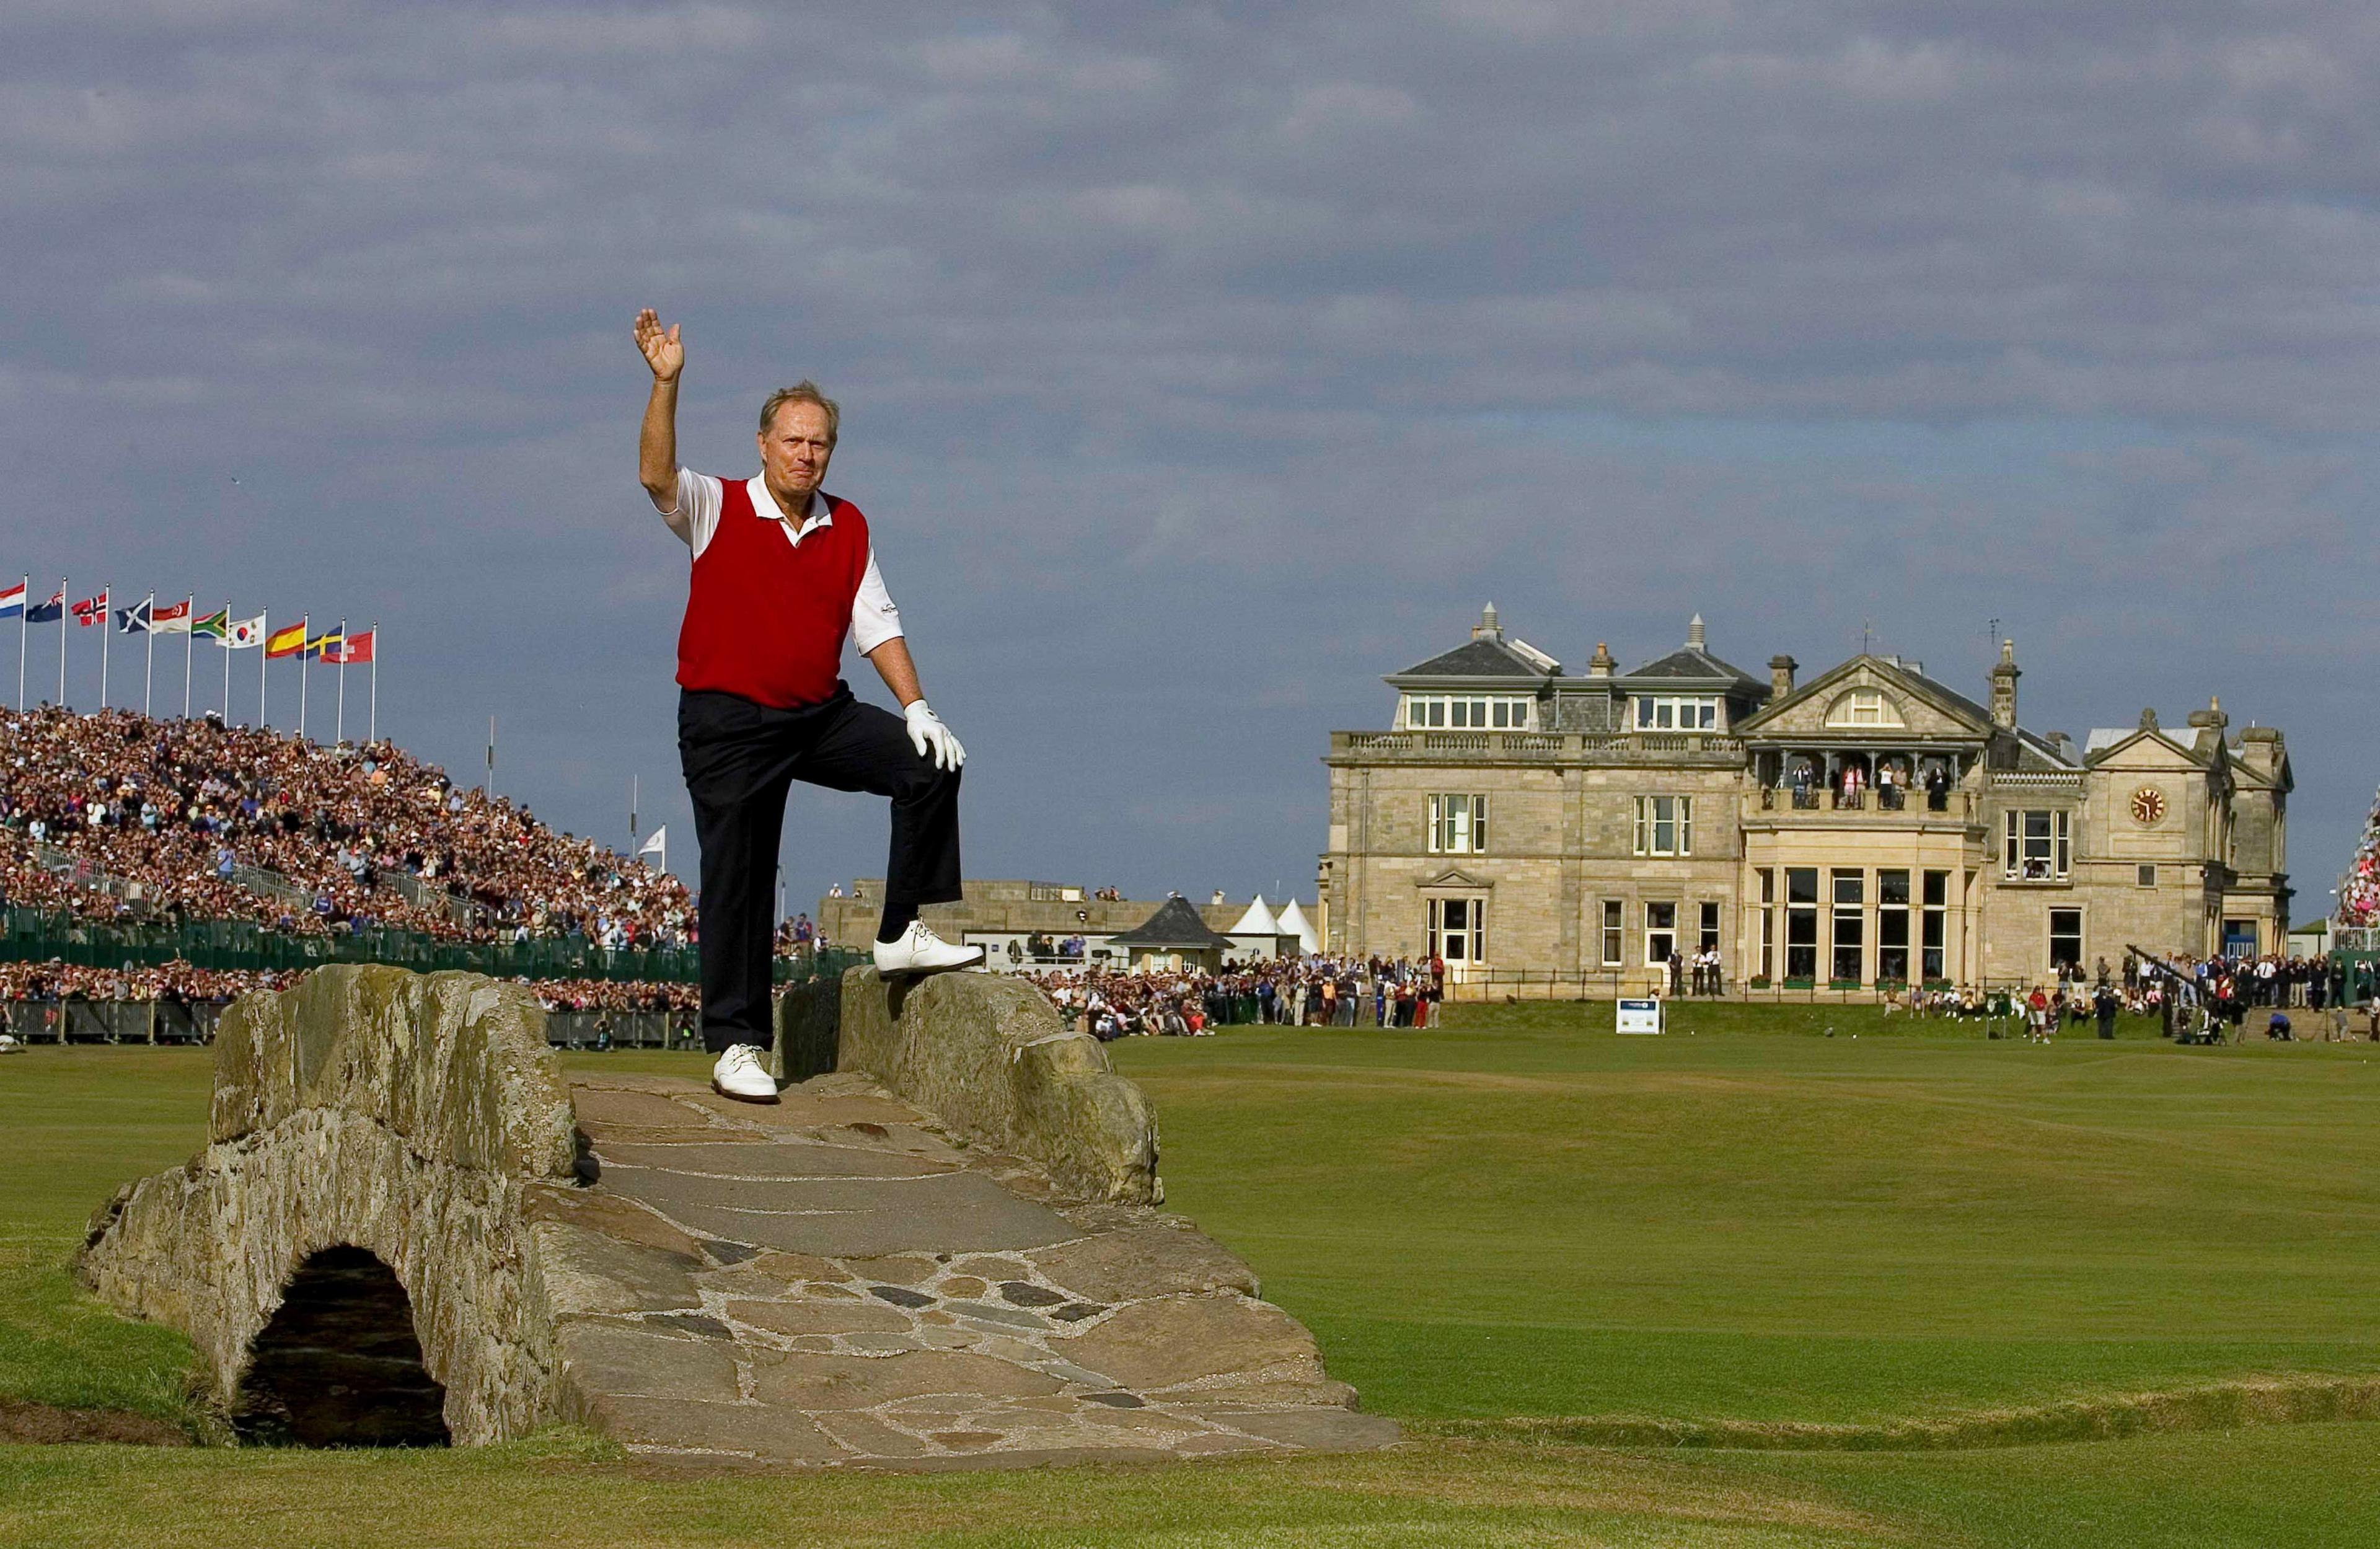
1780, 677
1694, 640
1601, 665
1488, 629
2004, 678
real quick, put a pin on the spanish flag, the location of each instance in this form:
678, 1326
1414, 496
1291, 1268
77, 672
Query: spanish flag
286, 642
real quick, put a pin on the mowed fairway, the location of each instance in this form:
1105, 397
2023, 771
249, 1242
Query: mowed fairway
1522, 1214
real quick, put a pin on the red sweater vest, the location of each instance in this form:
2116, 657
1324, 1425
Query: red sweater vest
766, 619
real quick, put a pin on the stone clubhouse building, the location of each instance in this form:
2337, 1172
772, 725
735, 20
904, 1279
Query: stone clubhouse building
1868, 827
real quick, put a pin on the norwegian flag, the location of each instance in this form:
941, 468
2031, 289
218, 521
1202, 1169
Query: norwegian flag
91, 610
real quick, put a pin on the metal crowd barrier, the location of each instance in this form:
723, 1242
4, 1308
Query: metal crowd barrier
110, 1021
621, 1029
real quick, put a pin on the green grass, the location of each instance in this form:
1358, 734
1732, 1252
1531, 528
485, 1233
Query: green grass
1519, 1215
77, 1124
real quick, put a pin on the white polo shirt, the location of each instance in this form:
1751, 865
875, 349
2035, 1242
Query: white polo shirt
694, 517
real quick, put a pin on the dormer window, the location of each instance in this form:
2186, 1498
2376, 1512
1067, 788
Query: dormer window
1468, 711
1677, 713
1862, 707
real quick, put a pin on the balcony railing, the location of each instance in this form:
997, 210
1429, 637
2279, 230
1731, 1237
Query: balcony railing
1889, 803
1536, 745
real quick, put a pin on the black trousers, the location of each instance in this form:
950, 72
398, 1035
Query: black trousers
740, 760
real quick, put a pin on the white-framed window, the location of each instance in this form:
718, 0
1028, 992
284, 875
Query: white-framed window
2036, 844
1665, 825
1458, 824
1458, 929
1862, 707
1613, 931
1677, 713
1469, 712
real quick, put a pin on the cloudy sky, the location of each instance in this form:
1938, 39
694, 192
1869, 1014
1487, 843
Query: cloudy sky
1202, 363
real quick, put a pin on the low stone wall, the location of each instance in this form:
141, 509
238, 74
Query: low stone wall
412, 1117
988, 1057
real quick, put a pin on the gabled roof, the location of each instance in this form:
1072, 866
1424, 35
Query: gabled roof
1175, 926
1693, 664
1949, 701
2106, 743
1479, 658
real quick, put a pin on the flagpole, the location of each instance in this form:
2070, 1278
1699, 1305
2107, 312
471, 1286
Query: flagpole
189, 647
24, 639
107, 628
263, 654
222, 643
64, 583
371, 730
148, 667
339, 725
304, 627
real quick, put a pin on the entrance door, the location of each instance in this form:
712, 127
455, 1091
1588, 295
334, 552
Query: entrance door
2239, 938
1660, 934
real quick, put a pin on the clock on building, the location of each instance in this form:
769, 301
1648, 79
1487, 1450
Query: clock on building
2148, 805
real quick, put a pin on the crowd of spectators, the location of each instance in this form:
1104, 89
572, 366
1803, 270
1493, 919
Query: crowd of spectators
210, 821
1290, 992
2359, 891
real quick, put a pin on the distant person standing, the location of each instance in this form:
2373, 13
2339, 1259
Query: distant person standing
783, 574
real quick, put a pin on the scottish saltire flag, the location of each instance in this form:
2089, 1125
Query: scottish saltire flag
49, 612
175, 620
91, 610
245, 633
215, 625
133, 620
288, 641
325, 646
12, 602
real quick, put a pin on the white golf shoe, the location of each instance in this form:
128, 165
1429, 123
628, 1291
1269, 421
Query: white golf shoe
921, 951
740, 1074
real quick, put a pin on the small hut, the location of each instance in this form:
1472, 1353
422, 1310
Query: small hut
1174, 938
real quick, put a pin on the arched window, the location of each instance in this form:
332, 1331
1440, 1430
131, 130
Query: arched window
1863, 707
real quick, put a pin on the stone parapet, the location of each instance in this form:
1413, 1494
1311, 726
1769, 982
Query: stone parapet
988, 1057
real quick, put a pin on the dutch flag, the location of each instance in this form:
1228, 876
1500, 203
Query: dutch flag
12, 602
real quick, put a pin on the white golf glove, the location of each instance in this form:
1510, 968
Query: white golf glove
931, 737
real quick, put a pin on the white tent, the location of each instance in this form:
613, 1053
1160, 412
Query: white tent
1292, 921
1257, 921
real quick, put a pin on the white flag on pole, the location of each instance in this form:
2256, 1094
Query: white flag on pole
656, 844
242, 633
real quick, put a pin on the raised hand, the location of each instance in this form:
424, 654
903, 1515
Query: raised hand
662, 350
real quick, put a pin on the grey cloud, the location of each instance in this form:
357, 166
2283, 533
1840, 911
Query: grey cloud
1204, 363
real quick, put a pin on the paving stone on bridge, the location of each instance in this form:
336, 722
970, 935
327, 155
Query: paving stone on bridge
833, 1281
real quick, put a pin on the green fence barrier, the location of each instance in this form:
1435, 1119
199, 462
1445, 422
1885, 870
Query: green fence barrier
35, 935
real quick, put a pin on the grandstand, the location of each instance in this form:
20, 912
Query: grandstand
119, 817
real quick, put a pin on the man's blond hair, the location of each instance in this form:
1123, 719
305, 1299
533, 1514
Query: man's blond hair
804, 391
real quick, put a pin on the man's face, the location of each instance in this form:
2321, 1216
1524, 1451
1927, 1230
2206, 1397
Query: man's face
794, 451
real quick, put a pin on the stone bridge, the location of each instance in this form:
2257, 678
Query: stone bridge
941, 1249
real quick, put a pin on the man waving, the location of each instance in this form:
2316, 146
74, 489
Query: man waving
783, 573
